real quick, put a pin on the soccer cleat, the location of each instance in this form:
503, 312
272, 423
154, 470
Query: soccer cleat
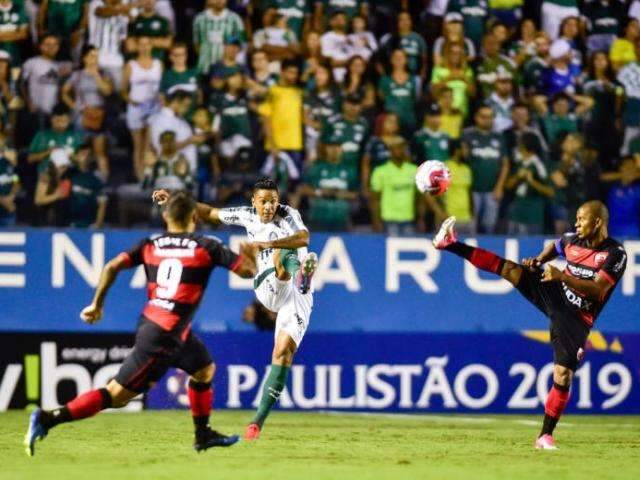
446, 235
36, 431
305, 273
545, 442
253, 432
210, 438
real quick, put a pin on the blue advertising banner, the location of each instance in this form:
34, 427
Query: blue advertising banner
419, 373
366, 283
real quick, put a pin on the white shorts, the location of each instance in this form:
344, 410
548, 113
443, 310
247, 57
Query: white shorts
293, 308
138, 115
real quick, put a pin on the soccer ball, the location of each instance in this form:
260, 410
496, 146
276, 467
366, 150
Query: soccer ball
433, 177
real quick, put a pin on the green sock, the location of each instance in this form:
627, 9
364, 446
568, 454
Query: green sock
272, 388
289, 260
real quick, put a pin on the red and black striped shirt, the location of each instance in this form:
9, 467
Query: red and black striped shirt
178, 267
607, 260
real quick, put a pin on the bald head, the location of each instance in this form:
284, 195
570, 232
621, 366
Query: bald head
592, 219
598, 210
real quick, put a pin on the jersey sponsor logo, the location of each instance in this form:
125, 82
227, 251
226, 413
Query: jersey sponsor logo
161, 303
575, 299
580, 271
485, 152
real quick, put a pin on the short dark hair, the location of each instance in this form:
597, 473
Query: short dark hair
529, 142
179, 95
60, 109
180, 207
288, 63
48, 35
265, 183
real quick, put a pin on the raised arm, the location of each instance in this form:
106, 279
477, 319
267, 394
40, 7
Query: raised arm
92, 313
594, 289
297, 240
205, 212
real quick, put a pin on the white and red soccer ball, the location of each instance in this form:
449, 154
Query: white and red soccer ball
433, 177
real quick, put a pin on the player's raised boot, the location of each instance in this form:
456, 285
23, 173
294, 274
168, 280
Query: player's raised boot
446, 235
252, 432
305, 275
210, 438
545, 442
36, 431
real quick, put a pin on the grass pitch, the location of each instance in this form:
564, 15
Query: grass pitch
157, 445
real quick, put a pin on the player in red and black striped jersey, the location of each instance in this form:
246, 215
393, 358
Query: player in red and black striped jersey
572, 299
178, 265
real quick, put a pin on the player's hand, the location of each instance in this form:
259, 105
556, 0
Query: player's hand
91, 314
261, 245
160, 196
551, 274
249, 250
531, 263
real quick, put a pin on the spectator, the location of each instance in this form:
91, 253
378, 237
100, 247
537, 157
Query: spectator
282, 119
363, 42
562, 75
521, 124
228, 65
14, 29
475, 14
397, 91
172, 118
377, 151
486, 154
452, 117
395, 203
331, 187
150, 25
9, 183
433, 19
623, 50
604, 21
53, 189
453, 34
40, 84
553, 12
231, 122
324, 9
508, 12
350, 129
358, 82
140, 90
108, 24
87, 203
211, 29
560, 120
629, 78
455, 74
236, 182
501, 100
430, 142
534, 69
529, 181
209, 170
492, 62
275, 38
67, 20
85, 93
457, 199
524, 48
60, 136
181, 77
321, 102
298, 14
623, 200
335, 45
168, 168
261, 77
312, 54
411, 42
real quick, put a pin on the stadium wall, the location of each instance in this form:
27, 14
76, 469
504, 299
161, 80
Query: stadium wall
397, 327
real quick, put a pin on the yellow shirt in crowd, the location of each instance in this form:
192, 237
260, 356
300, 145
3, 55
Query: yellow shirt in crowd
283, 107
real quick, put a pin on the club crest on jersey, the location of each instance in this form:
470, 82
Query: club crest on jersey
600, 258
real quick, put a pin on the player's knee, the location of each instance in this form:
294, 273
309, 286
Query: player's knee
283, 355
120, 396
562, 375
511, 272
206, 374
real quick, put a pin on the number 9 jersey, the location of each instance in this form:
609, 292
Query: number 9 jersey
178, 267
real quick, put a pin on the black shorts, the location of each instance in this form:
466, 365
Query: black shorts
155, 351
568, 332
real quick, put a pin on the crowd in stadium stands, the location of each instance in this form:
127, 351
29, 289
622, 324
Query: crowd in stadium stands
533, 105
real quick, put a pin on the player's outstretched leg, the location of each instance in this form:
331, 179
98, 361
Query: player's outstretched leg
556, 402
83, 406
485, 260
200, 393
281, 361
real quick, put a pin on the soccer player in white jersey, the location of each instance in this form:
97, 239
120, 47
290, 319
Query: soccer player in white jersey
283, 283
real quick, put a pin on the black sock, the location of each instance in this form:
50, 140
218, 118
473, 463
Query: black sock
200, 422
51, 418
548, 425
461, 249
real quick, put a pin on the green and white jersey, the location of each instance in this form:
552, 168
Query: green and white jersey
63, 16
11, 20
485, 154
274, 36
150, 26
211, 31
554, 125
487, 72
231, 116
400, 99
186, 81
285, 223
8, 178
352, 136
350, 7
430, 145
502, 111
322, 105
528, 205
475, 14
413, 45
86, 190
294, 10
330, 213
603, 19
70, 140
629, 77
532, 73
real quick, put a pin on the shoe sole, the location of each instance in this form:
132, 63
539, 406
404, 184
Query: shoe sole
309, 267
446, 227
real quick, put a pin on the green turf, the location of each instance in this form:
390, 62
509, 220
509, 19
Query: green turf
154, 445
